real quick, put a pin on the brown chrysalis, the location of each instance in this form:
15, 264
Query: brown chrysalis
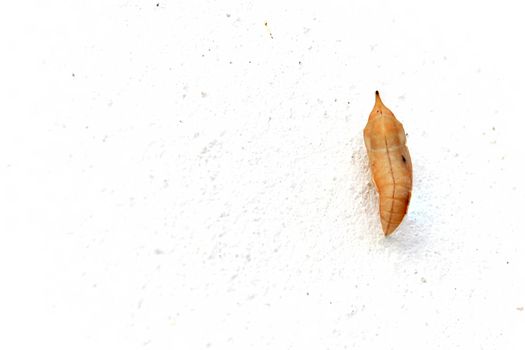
390, 164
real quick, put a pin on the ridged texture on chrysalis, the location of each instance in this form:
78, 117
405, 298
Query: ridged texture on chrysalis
390, 164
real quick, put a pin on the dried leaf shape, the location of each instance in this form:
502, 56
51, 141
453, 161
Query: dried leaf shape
390, 164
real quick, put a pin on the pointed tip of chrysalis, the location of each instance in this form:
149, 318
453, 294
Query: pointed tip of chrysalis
378, 99
379, 109
388, 227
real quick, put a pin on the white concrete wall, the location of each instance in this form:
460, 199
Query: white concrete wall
183, 176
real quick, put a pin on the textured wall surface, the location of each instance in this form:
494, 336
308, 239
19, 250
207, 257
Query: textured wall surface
192, 175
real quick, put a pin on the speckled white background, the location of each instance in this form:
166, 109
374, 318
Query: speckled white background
179, 175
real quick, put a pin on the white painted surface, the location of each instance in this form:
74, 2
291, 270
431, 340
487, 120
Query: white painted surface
182, 176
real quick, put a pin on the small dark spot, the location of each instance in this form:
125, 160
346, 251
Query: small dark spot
307, 293
228, 15
73, 75
158, 4
403, 157
269, 32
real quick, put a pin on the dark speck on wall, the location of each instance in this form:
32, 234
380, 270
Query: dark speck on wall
268, 29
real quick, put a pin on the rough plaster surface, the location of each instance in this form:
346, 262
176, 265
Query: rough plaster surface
181, 175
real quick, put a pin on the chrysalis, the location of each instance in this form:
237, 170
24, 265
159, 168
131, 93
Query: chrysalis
390, 164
